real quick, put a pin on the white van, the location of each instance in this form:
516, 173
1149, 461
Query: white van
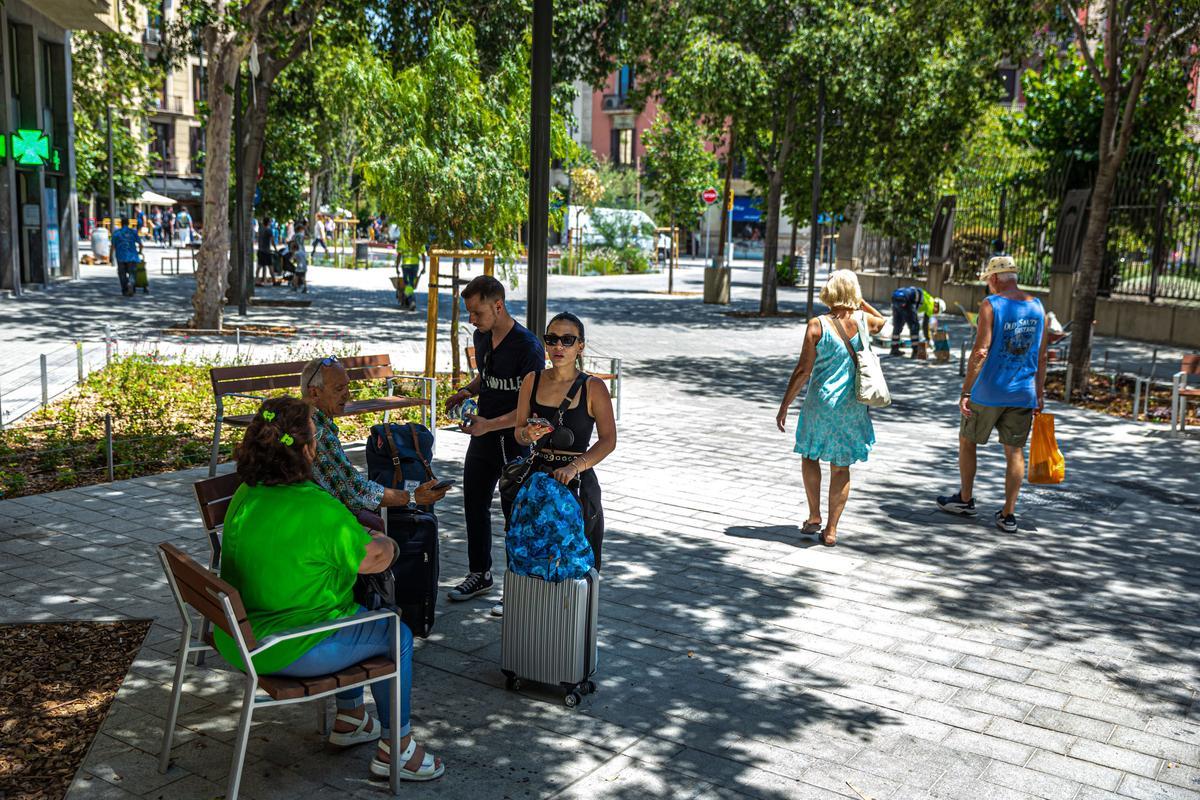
581, 224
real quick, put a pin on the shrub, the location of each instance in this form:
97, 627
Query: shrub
785, 273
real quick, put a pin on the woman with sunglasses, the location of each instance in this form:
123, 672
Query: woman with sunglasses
569, 454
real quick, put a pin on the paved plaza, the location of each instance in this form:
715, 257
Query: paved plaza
924, 657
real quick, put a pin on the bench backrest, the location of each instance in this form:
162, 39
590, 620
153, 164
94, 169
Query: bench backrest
202, 590
213, 496
1191, 364
286, 374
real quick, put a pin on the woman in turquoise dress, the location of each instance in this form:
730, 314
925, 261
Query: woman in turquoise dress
834, 427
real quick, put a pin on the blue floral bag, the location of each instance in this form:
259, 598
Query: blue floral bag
545, 533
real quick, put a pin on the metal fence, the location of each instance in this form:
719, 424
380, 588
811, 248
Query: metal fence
1153, 239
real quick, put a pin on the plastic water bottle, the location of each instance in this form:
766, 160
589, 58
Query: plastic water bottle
468, 407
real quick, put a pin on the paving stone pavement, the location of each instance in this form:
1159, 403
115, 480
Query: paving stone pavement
923, 657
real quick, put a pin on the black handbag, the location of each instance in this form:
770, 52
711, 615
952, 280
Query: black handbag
514, 473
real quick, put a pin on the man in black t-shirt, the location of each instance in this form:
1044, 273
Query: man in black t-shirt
505, 352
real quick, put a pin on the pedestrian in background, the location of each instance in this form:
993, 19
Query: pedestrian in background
1004, 388
300, 256
266, 253
169, 227
156, 223
319, 238
834, 426
127, 252
909, 302
183, 221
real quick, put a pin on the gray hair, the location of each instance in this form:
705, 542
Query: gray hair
312, 376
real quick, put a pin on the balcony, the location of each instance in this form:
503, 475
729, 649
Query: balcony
614, 103
152, 35
81, 15
172, 104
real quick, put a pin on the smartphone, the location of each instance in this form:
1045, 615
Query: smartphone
444, 484
545, 423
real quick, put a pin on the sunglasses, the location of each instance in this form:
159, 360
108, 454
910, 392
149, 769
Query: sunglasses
567, 340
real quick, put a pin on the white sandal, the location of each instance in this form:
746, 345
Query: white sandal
368, 730
429, 769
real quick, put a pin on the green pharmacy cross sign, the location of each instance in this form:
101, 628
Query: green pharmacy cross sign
31, 147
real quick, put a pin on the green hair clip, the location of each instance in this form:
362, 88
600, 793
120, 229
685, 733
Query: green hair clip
287, 439
268, 415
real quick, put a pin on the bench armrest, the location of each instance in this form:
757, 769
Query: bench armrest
319, 627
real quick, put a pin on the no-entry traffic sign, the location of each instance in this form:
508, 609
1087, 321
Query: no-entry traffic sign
710, 195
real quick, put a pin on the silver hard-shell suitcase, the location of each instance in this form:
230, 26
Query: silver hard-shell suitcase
549, 633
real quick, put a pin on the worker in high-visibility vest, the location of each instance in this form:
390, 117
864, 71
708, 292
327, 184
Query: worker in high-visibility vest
410, 263
907, 303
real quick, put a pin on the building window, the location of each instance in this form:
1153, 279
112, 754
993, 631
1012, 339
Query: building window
624, 82
196, 148
162, 92
162, 146
199, 84
622, 147
1008, 84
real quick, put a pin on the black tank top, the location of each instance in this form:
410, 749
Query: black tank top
576, 419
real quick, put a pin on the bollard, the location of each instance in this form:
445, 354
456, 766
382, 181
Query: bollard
1067, 383
107, 345
238, 346
79, 360
108, 445
45, 382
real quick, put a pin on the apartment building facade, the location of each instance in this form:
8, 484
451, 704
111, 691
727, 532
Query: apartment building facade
38, 201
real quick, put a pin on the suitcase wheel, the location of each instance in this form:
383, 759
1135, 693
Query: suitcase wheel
589, 687
512, 682
572, 699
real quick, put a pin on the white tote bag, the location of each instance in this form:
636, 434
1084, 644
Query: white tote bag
869, 383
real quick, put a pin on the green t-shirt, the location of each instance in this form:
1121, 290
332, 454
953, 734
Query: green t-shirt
293, 553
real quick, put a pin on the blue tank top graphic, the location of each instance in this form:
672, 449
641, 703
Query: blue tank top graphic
1009, 374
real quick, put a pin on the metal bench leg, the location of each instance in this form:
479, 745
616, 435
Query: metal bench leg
216, 445
164, 757
240, 742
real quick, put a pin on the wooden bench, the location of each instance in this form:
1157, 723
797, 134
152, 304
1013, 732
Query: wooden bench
612, 375
240, 381
221, 605
1181, 393
213, 496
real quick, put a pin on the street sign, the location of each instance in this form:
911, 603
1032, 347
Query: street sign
710, 195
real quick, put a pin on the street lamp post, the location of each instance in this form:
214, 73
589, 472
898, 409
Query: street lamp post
539, 165
813, 240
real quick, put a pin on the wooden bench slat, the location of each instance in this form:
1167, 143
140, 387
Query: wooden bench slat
377, 666
200, 589
350, 675
353, 408
213, 496
318, 684
280, 688
224, 374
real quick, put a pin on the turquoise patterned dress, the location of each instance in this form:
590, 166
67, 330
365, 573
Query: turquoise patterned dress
834, 426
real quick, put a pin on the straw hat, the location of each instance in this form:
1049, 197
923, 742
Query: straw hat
998, 265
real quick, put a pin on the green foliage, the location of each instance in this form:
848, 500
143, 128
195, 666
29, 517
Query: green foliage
451, 165
678, 168
620, 185
785, 273
111, 72
162, 415
607, 261
1064, 107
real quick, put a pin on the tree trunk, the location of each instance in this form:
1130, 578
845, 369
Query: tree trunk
1091, 266
791, 254
769, 299
252, 149
226, 52
719, 259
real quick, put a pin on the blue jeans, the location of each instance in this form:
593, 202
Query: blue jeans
348, 646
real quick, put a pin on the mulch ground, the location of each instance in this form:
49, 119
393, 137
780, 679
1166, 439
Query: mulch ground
57, 681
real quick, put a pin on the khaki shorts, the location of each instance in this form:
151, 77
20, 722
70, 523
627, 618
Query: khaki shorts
1011, 424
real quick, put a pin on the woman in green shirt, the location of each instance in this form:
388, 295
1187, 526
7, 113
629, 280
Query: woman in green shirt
293, 551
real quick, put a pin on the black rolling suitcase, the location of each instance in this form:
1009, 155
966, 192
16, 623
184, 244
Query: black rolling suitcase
417, 568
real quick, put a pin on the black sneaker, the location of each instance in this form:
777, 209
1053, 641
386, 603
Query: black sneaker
954, 505
1006, 522
473, 585
896, 351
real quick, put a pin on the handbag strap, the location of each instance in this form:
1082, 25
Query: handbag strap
846, 340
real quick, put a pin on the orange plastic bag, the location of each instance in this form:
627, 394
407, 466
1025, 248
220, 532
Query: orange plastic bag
1046, 464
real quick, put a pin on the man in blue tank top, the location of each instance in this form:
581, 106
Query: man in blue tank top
1004, 387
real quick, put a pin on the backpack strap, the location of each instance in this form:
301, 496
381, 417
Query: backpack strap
397, 473
417, 449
